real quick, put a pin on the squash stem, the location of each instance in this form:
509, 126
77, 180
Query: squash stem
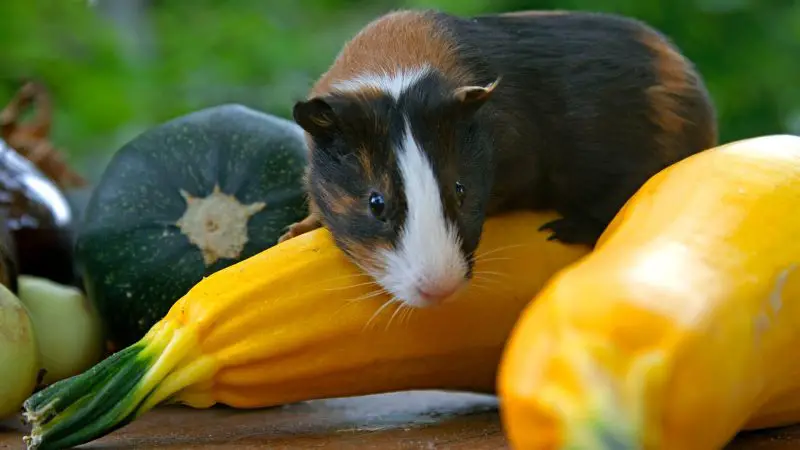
117, 390
606, 412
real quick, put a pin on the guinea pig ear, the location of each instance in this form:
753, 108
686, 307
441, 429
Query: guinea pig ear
475, 96
316, 116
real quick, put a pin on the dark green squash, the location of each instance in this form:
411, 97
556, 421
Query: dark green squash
182, 201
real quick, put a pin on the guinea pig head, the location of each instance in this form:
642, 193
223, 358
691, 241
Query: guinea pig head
402, 182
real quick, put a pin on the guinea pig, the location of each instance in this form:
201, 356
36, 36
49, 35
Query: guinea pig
427, 123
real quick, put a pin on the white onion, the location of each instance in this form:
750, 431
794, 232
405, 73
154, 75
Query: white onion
19, 355
68, 328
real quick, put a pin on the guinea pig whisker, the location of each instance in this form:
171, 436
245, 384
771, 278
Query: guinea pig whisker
481, 255
479, 287
481, 281
339, 278
487, 282
495, 284
378, 311
351, 275
342, 288
406, 315
484, 260
489, 272
479, 277
399, 308
370, 294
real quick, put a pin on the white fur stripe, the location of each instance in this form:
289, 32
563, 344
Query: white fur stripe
428, 253
393, 84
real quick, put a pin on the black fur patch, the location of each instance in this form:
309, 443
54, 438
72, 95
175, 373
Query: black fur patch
571, 118
356, 159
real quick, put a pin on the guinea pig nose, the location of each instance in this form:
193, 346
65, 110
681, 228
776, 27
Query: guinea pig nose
437, 292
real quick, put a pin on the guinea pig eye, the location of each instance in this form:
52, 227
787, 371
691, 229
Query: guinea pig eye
460, 193
377, 205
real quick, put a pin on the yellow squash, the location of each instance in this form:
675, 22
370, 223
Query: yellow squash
300, 322
682, 327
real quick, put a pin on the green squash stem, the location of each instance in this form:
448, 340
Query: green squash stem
117, 390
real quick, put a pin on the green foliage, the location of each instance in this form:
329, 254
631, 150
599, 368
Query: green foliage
111, 75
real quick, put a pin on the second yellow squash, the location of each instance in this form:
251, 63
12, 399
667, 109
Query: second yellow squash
682, 327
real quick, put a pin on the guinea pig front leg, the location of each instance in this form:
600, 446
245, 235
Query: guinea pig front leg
310, 223
589, 211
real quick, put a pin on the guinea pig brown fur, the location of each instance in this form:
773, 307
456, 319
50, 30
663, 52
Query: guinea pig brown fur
426, 123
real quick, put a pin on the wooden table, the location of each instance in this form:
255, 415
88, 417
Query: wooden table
412, 420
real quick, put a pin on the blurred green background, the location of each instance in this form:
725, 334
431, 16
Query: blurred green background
115, 67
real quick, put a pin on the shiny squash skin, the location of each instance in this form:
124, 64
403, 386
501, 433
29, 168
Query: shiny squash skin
682, 327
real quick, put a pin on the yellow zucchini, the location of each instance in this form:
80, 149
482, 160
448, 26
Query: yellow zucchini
682, 327
299, 322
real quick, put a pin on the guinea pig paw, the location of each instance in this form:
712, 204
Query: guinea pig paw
298, 228
570, 230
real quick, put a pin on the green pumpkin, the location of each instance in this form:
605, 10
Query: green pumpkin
182, 201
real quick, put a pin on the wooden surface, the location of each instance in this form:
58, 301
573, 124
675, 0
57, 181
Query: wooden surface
412, 420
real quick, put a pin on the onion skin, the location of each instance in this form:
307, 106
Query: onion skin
68, 328
19, 354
